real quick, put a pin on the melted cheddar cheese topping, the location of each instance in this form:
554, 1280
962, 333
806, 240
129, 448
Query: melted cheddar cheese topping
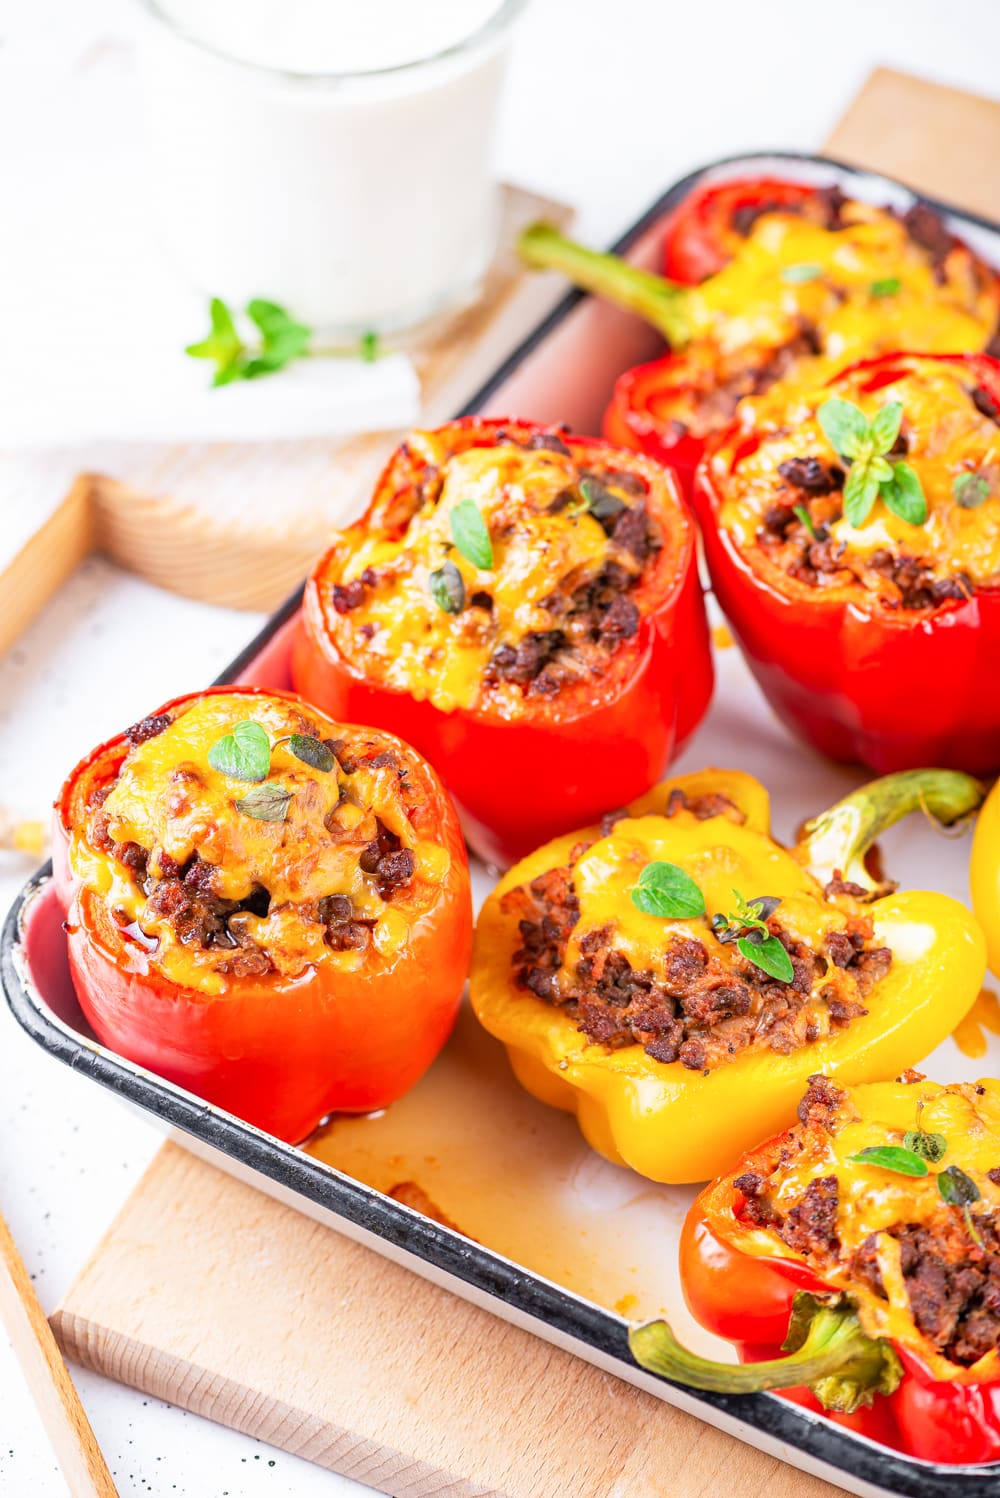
946, 436
546, 546
872, 1200
726, 858
168, 802
823, 295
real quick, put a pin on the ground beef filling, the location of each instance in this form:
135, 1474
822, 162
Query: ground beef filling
697, 1010
589, 621
809, 553
186, 895
952, 1282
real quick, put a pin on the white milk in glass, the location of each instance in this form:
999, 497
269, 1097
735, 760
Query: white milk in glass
331, 155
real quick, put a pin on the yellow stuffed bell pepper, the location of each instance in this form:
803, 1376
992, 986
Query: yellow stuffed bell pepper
984, 875
674, 976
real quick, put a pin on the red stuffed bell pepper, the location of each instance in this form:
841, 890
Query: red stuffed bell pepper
523, 605
853, 539
264, 906
865, 1244
774, 280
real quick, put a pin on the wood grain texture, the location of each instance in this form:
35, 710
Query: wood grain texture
212, 1296
48, 1380
239, 524
939, 140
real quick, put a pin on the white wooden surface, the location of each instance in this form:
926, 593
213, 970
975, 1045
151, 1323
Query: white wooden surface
607, 104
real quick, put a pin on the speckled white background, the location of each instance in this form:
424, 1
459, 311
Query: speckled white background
607, 104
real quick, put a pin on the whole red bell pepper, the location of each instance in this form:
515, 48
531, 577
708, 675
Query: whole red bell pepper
798, 1334
522, 765
857, 675
350, 1029
653, 403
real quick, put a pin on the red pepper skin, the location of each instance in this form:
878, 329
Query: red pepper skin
944, 1421
278, 1052
699, 238
890, 689
747, 1299
698, 241
556, 766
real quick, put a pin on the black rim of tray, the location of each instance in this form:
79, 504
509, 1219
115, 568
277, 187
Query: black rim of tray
489, 1273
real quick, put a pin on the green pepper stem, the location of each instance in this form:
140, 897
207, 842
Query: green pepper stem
663, 303
834, 844
844, 1367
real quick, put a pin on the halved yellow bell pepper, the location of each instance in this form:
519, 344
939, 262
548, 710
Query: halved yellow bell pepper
679, 1125
984, 875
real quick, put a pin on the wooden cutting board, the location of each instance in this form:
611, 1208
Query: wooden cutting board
408, 1388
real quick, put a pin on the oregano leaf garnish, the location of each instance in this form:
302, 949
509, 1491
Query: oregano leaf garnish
470, 535
970, 490
844, 425
601, 501
886, 286
930, 1147
265, 803
282, 338
904, 495
865, 446
803, 515
904, 1161
447, 588
243, 754
747, 927
312, 752
959, 1190
223, 344
665, 890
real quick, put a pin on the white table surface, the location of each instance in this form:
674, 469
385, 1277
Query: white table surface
607, 103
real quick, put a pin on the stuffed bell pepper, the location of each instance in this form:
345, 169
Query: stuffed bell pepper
795, 282
853, 538
864, 1245
674, 975
264, 906
523, 606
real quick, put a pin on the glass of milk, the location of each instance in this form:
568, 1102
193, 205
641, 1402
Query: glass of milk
334, 156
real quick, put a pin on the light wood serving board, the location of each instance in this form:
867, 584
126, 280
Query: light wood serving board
353, 1362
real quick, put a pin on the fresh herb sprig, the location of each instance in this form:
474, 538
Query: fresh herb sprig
246, 753
665, 890
921, 1149
470, 535
864, 445
747, 927
277, 341
970, 490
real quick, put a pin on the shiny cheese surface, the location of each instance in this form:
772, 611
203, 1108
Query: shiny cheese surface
412, 644
946, 437
170, 801
756, 303
722, 857
871, 1199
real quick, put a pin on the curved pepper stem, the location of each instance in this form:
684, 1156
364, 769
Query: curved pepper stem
663, 303
832, 1356
834, 844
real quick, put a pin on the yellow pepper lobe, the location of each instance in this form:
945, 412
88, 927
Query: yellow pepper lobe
667, 1120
